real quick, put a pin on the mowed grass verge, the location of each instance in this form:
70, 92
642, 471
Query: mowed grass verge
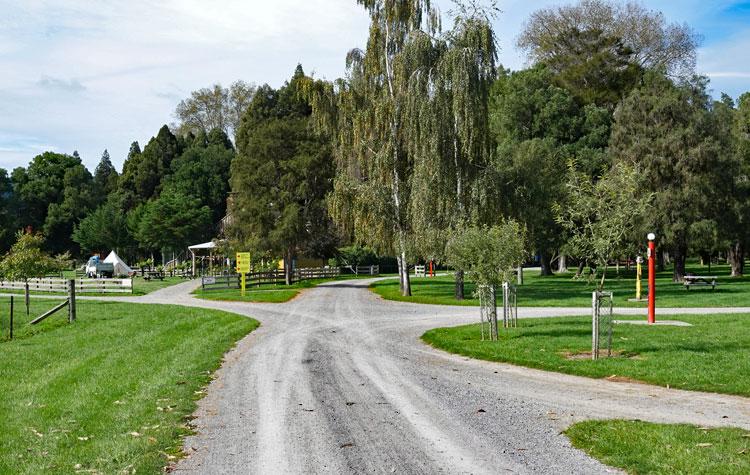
270, 293
561, 290
643, 447
111, 392
712, 355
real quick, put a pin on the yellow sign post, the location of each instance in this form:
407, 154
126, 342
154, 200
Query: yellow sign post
243, 267
638, 261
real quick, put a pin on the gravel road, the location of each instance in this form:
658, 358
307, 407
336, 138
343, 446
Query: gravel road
337, 381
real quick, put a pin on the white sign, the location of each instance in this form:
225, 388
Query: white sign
209, 280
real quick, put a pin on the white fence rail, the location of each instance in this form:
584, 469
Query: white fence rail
47, 284
367, 270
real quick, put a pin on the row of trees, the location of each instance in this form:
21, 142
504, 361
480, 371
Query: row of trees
608, 135
169, 194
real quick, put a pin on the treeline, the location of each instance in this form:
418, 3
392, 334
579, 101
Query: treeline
168, 195
606, 136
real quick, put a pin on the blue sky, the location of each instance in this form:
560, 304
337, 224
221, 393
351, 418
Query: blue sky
89, 75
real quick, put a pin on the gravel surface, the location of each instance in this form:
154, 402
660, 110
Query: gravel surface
338, 381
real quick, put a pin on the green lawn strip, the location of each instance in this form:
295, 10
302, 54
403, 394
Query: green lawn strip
251, 295
140, 287
271, 293
643, 447
110, 392
561, 290
712, 355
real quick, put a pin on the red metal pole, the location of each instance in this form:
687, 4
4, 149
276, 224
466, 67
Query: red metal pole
431, 274
651, 279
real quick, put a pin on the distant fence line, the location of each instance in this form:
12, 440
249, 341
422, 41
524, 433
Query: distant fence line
276, 276
50, 284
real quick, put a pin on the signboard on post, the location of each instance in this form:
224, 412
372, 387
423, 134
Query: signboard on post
243, 267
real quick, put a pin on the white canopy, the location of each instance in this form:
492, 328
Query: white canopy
205, 245
120, 267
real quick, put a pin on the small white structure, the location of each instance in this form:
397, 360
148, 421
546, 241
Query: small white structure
206, 246
120, 268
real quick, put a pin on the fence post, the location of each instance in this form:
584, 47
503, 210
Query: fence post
26, 294
11, 317
71, 300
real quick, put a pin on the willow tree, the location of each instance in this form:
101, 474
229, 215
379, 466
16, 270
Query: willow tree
367, 113
449, 124
410, 128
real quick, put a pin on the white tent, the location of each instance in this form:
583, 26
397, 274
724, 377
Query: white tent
121, 269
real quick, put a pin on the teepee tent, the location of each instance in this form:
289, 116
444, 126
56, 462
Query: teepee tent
121, 269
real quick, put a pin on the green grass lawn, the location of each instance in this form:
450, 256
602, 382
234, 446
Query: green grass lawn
143, 287
712, 355
112, 392
271, 293
561, 290
643, 447
251, 295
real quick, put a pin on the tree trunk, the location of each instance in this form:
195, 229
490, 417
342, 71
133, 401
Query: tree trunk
579, 270
403, 270
736, 258
288, 270
562, 264
660, 261
459, 289
519, 275
544, 261
680, 256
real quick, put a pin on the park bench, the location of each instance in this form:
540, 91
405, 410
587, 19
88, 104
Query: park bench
702, 280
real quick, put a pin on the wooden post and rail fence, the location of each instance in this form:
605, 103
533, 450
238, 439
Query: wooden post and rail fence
51, 284
276, 277
69, 302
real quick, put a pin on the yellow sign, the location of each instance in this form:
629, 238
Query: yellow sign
243, 262
243, 267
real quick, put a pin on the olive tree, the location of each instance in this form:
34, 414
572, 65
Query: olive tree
601, 215
488, 256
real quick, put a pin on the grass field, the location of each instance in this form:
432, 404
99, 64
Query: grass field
271, 293
561, 290
110, 393
642, 447
712, 355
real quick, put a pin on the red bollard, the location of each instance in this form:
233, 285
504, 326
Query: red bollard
651, 278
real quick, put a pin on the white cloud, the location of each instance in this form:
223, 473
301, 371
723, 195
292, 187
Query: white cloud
93, 75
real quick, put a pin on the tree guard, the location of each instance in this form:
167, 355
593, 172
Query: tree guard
510, 306
601, 324
488, 311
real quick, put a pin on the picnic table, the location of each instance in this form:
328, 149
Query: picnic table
701, 280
